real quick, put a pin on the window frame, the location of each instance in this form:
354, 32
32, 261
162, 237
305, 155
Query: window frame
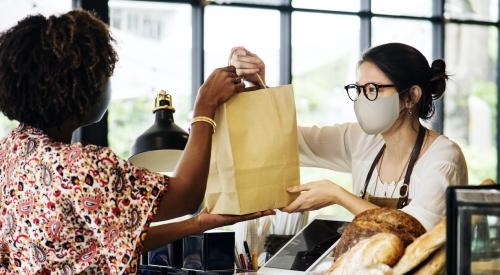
437, 19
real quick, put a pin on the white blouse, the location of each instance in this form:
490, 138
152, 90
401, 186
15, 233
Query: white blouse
346, 148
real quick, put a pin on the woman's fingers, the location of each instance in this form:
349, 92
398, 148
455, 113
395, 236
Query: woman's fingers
246, 66
294, 206
229, 69
299, 188
220, 86
298, 203
241, 60
236, 54
259, 214
249, 53
247, 72
239, 87
237, 80
249, 61
251, 216
239, 51
242, 51
252, 68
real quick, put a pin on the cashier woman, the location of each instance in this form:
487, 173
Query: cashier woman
394, 160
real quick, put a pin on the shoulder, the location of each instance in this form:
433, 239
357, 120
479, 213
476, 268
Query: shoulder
444, 151
78, 155
444, 162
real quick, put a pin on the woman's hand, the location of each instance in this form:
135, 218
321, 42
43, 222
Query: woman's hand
217, 89
318, 194
248, 65
313, 195
208, 221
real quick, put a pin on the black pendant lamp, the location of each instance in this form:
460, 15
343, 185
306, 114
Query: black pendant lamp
160, 147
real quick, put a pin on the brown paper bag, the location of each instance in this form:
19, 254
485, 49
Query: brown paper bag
254, 153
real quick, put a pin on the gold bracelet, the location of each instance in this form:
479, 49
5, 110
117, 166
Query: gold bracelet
206, 120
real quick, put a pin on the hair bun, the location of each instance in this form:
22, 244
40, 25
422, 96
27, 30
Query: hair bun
438, 78
438, 68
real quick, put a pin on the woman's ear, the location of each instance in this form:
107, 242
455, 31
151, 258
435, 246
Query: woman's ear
414, 96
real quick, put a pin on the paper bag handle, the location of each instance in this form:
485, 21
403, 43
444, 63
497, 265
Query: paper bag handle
261, 82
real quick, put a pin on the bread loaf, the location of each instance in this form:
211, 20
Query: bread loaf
373, 221
378, 269
382, 248
435, 265
421, 248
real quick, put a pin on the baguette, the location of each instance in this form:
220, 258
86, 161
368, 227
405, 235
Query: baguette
421, 248
435, 265
378, 269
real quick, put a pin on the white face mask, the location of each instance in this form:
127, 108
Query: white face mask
377, 116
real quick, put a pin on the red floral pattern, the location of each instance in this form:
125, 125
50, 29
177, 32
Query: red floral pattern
68, 209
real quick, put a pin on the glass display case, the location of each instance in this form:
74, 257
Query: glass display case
473, 230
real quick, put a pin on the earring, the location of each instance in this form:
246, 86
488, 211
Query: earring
409, 110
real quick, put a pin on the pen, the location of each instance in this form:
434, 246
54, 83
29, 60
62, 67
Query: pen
247, 251
242, 260
255, 265
237, 258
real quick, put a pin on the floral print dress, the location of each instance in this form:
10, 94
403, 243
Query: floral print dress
68, 209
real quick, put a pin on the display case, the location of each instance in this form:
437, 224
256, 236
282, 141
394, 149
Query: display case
473, 230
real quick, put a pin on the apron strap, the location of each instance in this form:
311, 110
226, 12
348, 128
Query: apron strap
405, 189
374, 164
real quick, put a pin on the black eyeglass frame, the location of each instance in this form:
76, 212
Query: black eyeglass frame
363, 87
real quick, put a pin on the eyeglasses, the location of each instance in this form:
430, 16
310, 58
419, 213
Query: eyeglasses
370, 90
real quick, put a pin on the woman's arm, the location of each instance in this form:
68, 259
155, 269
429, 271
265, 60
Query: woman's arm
163, 234
351, 202
187, 188
318, 194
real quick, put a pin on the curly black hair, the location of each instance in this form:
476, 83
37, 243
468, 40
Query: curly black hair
54, 68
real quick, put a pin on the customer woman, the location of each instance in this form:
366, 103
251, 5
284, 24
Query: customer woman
394, 160
69, 208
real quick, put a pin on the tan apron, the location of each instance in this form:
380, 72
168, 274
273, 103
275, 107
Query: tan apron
403, 200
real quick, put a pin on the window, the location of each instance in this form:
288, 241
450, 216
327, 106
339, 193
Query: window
486, 10
322, 63
11, 11
417, 33
153, 41
471, 96
340, 5
259, 36
397, 7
